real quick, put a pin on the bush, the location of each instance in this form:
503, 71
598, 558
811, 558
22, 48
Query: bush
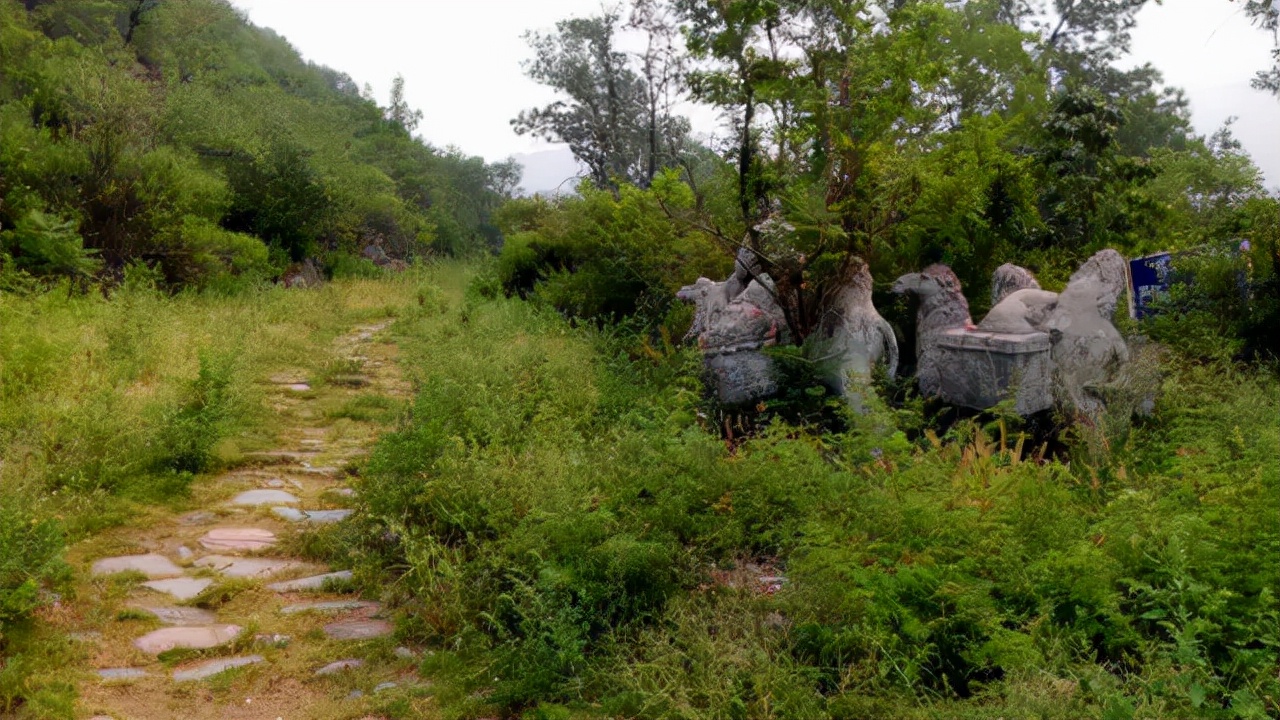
30, 559
601, 258
45, 244
208, 412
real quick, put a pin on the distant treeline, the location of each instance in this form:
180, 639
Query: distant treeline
179, 136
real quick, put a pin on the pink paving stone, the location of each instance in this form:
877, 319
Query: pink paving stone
152, 565
193, 638
180, 588
179, 615
238, 539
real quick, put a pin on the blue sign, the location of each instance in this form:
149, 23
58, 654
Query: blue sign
1150, 278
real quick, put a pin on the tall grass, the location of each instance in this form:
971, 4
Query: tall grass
557, 521
111, 401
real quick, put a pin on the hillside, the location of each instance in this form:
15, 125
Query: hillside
180, 137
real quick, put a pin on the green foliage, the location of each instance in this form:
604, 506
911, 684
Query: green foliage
566, 535
602, 257
47, 245
30, 559
228, 142
202, 419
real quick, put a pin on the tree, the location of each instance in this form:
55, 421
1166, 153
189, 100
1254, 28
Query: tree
1266, 15
614, 120
398, 111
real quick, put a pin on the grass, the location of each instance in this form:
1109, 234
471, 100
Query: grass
111, 405
556, 521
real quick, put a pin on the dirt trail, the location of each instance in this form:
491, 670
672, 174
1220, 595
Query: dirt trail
226, 623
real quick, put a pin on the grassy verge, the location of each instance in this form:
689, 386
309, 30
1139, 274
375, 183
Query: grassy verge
558, 523
109, 406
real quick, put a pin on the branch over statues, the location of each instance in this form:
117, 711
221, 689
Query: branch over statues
735, 320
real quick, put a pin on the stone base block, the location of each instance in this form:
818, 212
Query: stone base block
981, 369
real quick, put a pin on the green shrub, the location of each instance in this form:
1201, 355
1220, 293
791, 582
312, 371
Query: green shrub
342, 265
209, 410
45, 244
30, 559
567, 530
602, 258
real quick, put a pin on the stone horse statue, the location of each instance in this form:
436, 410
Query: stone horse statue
1047, 346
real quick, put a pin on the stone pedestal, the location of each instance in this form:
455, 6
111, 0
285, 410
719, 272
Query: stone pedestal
981, 369
742, 377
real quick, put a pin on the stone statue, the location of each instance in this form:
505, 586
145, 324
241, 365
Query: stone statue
852, 337
1088, 351
1045, 346
943, 307
1009, 278
734, 321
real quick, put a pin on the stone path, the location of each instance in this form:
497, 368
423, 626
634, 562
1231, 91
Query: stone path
206, 613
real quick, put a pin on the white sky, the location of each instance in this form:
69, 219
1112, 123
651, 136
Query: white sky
461, 62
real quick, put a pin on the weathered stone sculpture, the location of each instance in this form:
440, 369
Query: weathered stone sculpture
943, 308
1088, 351
852, 337
1044, 346
1020, 312
1008, 279
734, 321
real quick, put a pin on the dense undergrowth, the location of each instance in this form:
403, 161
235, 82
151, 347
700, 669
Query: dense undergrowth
111, 404
561, 525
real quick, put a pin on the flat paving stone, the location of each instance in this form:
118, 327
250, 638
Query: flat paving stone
191, 638
200, 517
344, 492
336, 667
264, 497
122, 673
384, 686
152, 565
358, 629
181, 588
215, 667
320, 517
290, 514
246, 567
315, 582
238, 539
275, 483
179, 615
328, 471
331, 606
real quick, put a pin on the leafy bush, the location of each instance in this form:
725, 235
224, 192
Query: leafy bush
30, 558
206, 414
598, 257
47, 245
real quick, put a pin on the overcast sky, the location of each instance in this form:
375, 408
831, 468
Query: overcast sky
461, 62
